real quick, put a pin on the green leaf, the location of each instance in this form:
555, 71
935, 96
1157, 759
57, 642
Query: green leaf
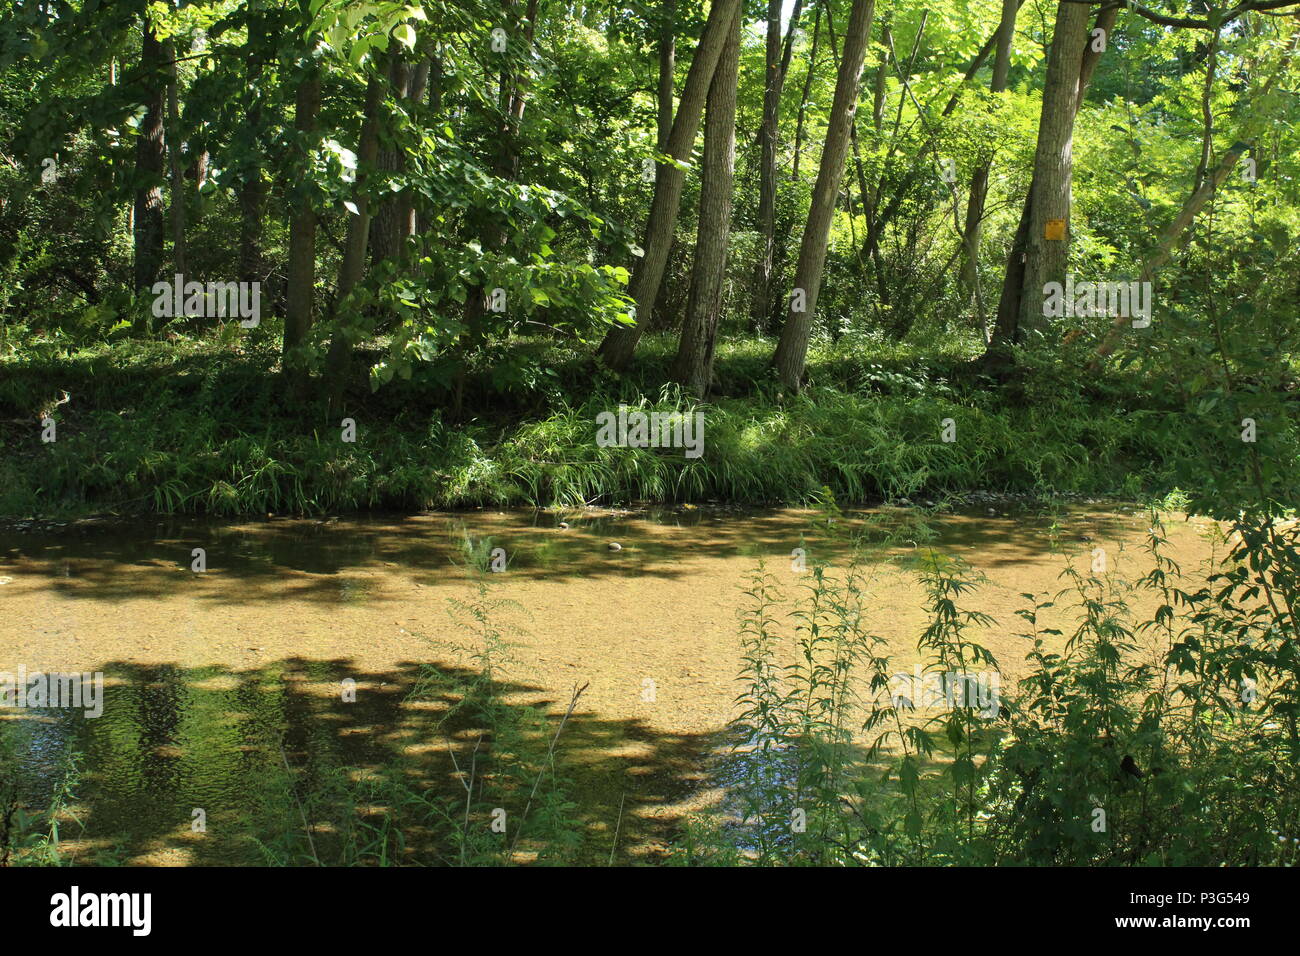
405, 35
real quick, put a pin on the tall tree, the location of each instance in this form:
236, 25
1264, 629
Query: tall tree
176, 167
667, 70
979, 184
391, 225
1034, 259
803, 97
792, 349
353, 265
252, 189
693, 366
301, 271
620, 342
406, 219
149, 158
1047, 244
776, 66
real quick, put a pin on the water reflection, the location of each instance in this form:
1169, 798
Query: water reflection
175, 738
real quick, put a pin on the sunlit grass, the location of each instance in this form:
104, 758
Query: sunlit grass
196, 427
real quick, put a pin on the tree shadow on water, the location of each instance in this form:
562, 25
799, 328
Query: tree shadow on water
217, 766
376, 560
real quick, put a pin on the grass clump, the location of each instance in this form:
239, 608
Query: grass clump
204, 427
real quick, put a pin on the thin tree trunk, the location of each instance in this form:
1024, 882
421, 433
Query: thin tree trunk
803, 98
176, 169
518, 100
979, 185
667, 70
200, 166
871, 195
252, 193
420, 218
776, 64
148, 228
406, 220
620, 342
792, 349
882, 74
302, 235
353, 266
693, 367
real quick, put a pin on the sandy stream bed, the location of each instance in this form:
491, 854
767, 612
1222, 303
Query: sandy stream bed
313, 602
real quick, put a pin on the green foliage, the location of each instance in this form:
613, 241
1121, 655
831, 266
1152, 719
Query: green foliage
190, 427
1168, 741
30, 837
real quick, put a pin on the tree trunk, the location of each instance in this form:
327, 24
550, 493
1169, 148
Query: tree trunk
792, 350
1046, 259
406, 222
881, 75
620, 342
803, 98
693, 367
667, 70
420, 217
1035, 260
387, 233
353, 266
199, 170
252, 193
176, 169
776, 65
980, 178
516, 97
149, 156
302, 233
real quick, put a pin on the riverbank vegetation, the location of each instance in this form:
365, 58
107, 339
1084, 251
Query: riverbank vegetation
469, 232
287, 258
196, 429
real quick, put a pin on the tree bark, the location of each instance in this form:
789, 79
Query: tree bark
406, 219
776, 65
148, 228
353, 266
176, 208
1046, 259
1035, 260
388, 235
620, 342
803, 98
252, 193
693, 367
302, 233
667, 70
792, 349
980, 178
